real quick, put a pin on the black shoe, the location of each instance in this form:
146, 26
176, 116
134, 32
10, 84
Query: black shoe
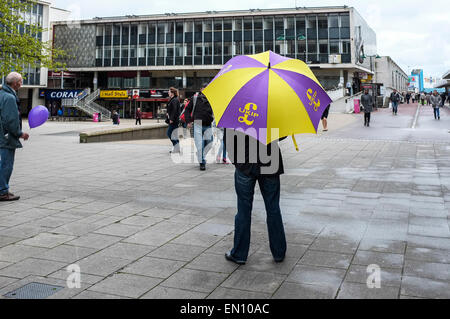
279, 261
232, 259
9, 198
202, 167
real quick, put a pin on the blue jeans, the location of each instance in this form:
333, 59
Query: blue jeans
223, 145
203, 139
437, 113
394, 107
270, 190
172, 130
6, 169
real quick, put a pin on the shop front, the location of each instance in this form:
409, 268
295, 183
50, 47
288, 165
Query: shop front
54, 101
126, 102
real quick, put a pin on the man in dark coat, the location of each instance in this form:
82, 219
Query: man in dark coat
200, 114
11, 132
395, 99
256, 162
367, 103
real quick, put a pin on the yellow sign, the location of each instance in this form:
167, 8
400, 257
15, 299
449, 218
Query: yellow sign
313, 100
247, 111
114, 94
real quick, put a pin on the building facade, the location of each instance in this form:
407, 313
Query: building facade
390, 75
36, 78
153, 53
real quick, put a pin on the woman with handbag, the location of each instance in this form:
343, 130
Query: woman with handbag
173, 114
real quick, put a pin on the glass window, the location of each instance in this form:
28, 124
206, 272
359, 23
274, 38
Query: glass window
217, 25
107, 53
345, 21
99, 53
268, 23
279, 29
125, 53
129, 83
227, 25
258, 23
100, 29
237, 24
322, 22
141, 53
334, 47
207, 26
333, 21
248, 24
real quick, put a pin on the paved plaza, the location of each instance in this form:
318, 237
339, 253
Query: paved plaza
139, 225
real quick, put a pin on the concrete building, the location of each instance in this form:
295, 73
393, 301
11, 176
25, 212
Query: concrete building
444, 83
390, 76
36, 79
113, 56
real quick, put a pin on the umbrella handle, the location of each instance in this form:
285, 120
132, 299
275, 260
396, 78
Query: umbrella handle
295, 143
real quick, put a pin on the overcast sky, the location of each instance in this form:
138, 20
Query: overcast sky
415, 33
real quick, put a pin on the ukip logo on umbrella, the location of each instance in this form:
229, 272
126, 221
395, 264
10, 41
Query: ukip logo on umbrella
267, 96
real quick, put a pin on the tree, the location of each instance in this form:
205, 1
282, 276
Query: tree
20, 40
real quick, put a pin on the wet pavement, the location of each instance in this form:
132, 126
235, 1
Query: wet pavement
355, 200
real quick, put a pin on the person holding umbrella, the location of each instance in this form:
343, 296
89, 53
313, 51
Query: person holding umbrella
261, 99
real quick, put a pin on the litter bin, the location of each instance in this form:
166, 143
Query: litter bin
357, 103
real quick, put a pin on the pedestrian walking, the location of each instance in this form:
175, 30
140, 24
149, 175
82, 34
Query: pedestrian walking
222, 153
11, 134
413, 97
325, 119
138, 116
408, 97
173, 115
395, 99
423, 98
115, 118
443, 97
436, 102
247, 173
367, 103
200, 116
428, 98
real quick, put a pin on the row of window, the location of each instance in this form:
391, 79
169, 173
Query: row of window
311, 38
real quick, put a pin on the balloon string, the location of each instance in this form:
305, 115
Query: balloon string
295, 143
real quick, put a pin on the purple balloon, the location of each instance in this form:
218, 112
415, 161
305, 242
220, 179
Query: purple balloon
38, 116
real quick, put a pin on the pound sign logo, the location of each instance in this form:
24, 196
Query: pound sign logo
247, 111
313, 100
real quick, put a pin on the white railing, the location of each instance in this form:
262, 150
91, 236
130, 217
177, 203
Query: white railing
87, 105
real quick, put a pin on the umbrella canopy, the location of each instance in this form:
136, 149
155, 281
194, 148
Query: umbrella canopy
265, 92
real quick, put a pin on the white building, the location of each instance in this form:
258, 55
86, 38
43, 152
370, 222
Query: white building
391, 75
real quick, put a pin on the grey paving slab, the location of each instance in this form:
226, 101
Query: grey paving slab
226, 293
86, 279
361, 291
388, 260
92, 295
126, 285
6, 281
326, 259
425, 288
67, 253
178, 252
383, 245
160, 292
100, 265
195, 280
360, 274
213, 263
31, 266
289, 290
97, 241
414, 268
47, 240
318, 276
76, 228
334, 245
427, 254
16, 253
119, 229
254, 281
153, 267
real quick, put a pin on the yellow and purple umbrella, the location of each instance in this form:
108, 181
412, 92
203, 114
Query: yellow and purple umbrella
262, 92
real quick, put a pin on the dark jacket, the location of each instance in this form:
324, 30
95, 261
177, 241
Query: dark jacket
246, 157
367, 103
203, 111
138, 114
115, 118
10, 123
173, 110
395, 97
